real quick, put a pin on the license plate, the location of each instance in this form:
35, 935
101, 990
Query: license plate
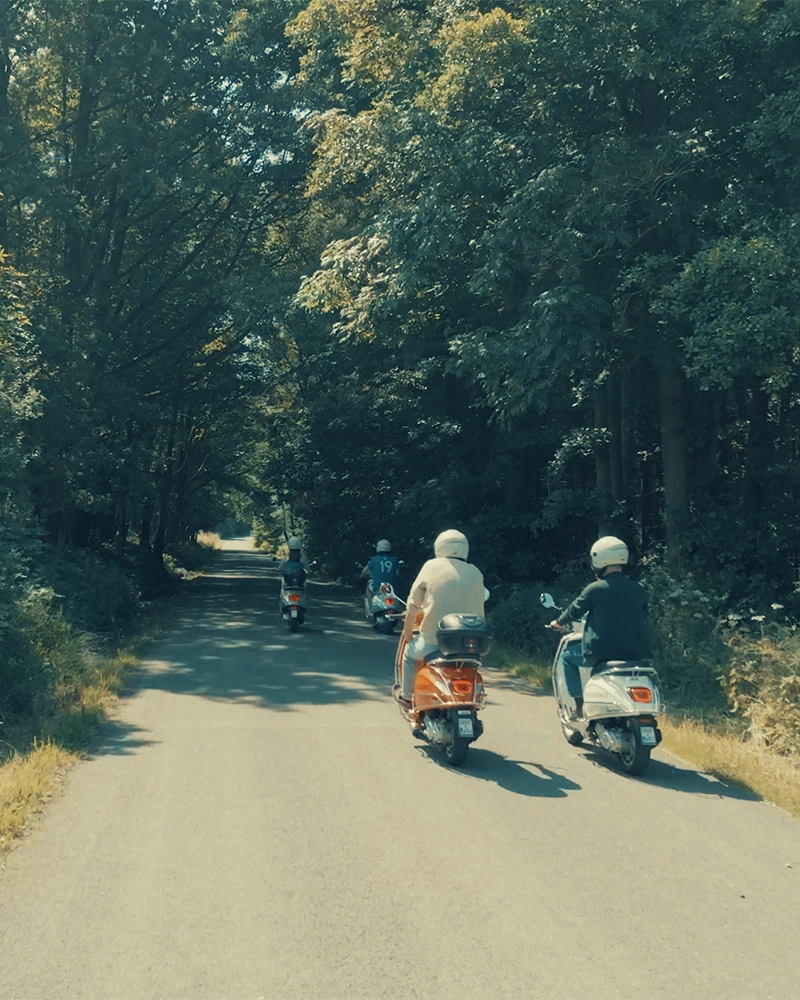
465, 727
648, 735
293, 612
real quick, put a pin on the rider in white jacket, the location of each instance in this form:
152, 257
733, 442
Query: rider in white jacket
445, 585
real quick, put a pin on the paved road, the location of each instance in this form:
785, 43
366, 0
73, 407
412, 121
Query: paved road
259, 822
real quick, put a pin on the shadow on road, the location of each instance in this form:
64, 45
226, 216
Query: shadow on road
512, 775
117, 739
662, 774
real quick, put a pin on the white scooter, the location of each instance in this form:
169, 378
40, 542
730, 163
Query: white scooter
293, 600
293, 603
384, 609
620, 703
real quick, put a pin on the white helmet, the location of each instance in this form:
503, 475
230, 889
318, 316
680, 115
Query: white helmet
609, 551
294, 544
451, 545
384, 545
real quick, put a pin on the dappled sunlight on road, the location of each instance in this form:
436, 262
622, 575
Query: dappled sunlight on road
230, 644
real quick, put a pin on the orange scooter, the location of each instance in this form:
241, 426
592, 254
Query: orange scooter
448, 687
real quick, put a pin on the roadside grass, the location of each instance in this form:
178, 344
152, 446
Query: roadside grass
720, 748
717, 745
536, 672
36, 751
26, 782
188, 561
34, 754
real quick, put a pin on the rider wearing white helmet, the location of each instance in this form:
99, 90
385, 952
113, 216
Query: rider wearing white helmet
294, 568
383, 567
615, 606
445, 585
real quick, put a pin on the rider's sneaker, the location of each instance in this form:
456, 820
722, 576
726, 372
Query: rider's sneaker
397, 694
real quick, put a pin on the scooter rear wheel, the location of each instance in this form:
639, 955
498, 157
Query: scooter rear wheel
456, 752
634, 760
294, 624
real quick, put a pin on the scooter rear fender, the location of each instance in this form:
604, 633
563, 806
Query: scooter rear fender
454, 685
608, 694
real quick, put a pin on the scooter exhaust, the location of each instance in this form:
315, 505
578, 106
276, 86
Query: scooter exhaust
615, 740
437, 730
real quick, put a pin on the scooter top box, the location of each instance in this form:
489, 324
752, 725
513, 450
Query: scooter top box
464, 635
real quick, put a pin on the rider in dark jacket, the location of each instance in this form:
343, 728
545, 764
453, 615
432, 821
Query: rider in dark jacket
294, 569
615, 626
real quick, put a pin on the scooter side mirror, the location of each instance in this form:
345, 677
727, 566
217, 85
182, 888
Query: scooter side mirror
546, 600
486, 594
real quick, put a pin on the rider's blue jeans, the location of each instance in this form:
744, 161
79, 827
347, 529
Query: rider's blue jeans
572, 658
416, 650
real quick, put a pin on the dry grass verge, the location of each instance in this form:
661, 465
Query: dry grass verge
726, 755
26, 782
35, 756
36, 747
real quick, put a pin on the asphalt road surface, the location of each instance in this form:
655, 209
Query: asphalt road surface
258, 821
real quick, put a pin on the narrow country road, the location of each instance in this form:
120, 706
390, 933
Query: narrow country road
258, 822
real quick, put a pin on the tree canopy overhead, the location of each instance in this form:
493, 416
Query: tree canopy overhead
526, 268
571, 228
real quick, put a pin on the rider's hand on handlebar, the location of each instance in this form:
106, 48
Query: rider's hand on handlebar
554, 624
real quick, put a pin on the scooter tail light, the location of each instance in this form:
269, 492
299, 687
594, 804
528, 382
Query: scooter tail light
294, 597
462, 687
389, 601
640, 694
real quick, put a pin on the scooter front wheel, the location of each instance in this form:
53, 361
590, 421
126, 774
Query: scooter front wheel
456, 752
634, 759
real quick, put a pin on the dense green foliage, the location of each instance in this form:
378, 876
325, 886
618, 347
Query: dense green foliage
143, 169
564, 264
528, 269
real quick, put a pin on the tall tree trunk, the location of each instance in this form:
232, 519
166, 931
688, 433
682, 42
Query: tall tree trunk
630, 466
146, 525
709, 446
121, 531
5, 124
602, 462
674, 460
164, 506
79, 162
758, 443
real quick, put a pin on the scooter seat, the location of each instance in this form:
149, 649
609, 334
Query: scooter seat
624, 667
438, 656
